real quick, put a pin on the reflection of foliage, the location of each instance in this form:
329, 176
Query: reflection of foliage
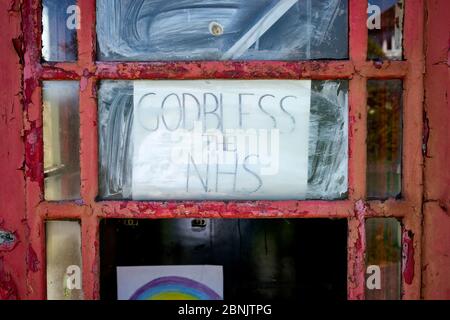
383, 244
374, 50
384, 120
384, 138
72, 46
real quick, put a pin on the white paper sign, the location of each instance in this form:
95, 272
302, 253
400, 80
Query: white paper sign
202, 282
220, 139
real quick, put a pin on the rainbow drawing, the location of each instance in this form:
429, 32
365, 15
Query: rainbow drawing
174, 288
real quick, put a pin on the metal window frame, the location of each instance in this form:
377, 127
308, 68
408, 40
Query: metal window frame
356, 208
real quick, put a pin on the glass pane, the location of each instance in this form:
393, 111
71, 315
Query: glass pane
59, 30
140, 30
383, 259
385, 23
223, 139
61, 140
261, 259
384, 138
64, 260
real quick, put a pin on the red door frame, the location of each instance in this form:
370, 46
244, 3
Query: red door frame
22, 187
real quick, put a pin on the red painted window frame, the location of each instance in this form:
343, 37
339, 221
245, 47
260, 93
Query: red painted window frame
355, 209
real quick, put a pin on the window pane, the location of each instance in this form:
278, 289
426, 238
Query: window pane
59, 34
61, 140
261, 259
255, 139
385, 29
142, 30
384, 138
64, 260
383, 253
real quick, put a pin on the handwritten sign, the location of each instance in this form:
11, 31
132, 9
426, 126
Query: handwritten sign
220, 139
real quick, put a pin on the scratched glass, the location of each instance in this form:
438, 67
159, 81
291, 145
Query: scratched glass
149, 30
384, 138
316, 153
61, 140
59, 30
385, 24
383, 258
63, 256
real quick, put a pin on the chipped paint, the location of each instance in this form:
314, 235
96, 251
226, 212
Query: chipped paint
426, 134
32, 260
221, 209
356, 252
8, 288
12, 158
34, 153
85, 79
408, 256
8, 240
15, 6
18, 46
181, 70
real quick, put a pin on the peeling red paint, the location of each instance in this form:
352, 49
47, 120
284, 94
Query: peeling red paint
378, 64
12, 159
225, 70
408, 256
32, 260
8, 288
356, 252
8, 240
29, 88
53, 71
426, 134
222, 209
85, 79
18, 46
34, 153
15, 6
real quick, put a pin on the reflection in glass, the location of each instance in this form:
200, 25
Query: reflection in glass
385, 29
140, 30
383, 250
327, 145
59, 34
384, 138
262, 259
61, 140
64, 260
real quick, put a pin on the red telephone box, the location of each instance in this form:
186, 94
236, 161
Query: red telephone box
55, 162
